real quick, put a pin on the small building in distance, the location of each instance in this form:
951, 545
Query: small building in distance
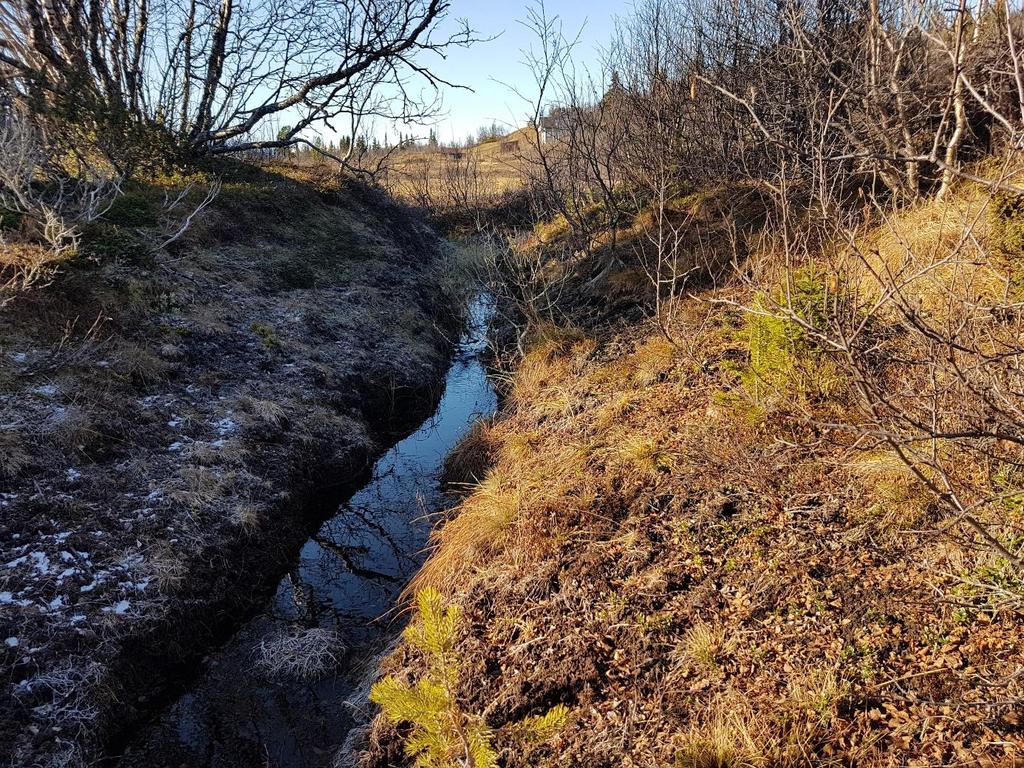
555, 126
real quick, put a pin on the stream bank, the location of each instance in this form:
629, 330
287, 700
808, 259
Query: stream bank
174, 426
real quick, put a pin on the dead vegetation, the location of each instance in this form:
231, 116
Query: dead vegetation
685, 537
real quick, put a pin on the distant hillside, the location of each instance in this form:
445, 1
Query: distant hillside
446, 176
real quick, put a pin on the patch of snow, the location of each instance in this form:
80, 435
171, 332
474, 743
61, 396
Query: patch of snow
121, 607
175, 422
19, 357
72, 475
174, 447
41, 562
6, 598
46, 390
226, 426
56, 604
11, 642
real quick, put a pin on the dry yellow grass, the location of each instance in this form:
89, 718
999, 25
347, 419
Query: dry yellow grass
818, 694
896, 496
466, 465
706, 560
938, 255
483, 519
724, 740
485, 170
703, 643
263, 412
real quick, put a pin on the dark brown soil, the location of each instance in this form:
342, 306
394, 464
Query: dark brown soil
174, 425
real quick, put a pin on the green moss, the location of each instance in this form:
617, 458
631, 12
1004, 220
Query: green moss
1006, 236
267, 335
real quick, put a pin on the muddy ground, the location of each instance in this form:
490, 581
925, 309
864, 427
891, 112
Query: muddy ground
175, 423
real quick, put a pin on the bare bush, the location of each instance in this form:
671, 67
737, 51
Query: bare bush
48, 203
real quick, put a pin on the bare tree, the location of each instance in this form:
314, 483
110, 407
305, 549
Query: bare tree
212, 72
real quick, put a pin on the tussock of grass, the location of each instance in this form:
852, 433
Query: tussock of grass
653, 360
724, 741
466, 465
818, 695
14, 455
897, 497
702, 644
139, 364
248, 516
265, 412
483, 520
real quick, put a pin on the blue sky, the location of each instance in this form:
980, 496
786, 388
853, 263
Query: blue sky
484, 66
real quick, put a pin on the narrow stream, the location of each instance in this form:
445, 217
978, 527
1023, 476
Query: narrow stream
277, 693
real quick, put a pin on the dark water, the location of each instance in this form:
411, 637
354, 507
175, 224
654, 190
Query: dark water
285, 690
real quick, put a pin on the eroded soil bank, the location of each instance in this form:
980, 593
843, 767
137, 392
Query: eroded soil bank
175, 425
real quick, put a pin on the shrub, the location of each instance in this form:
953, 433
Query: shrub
784, 357
443, 735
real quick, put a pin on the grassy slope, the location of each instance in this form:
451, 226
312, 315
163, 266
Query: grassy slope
169, 419
708, 581
414, 171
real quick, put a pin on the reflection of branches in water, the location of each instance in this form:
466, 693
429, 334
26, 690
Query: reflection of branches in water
345, 554
302, 599
378, 535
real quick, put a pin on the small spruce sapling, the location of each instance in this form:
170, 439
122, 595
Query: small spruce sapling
443, 735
